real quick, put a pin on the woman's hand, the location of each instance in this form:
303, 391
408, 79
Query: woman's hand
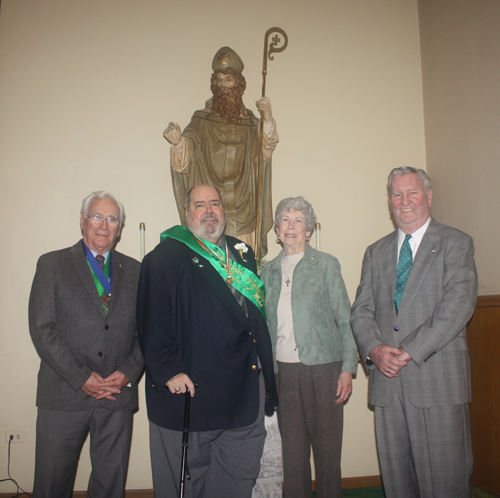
344, 387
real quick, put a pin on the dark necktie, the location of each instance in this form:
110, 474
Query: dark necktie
105, 297
404, 267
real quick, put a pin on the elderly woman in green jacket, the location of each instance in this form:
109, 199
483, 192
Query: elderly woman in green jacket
308, 313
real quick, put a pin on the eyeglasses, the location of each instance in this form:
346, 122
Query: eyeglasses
97, 219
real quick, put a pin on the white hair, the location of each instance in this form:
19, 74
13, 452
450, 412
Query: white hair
406, 170
102, 194
296, 204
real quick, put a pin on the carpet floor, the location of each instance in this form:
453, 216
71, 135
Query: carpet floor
378, 492
359, 493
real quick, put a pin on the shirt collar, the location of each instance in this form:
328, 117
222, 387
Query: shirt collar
416, 237
105, 255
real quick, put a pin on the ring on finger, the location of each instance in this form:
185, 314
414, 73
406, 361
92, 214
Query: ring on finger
177, 390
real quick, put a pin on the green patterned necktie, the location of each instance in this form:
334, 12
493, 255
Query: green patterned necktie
404, 267
105, 297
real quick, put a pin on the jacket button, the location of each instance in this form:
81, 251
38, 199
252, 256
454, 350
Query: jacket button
254, 367
99, 354
255, 341
106, 327
396, 329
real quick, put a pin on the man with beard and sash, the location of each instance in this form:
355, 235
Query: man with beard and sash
220, 147
201, 325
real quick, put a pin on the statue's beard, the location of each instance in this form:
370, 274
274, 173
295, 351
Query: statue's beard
228, 104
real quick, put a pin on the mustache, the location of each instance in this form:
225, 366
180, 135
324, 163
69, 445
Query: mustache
210, 216
227, 91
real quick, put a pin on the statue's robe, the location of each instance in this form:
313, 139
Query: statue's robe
226, 156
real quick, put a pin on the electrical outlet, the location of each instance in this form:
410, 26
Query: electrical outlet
17, 436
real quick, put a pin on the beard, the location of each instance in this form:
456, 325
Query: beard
208, 231
228, 104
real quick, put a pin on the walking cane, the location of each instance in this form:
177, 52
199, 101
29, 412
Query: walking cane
185, 435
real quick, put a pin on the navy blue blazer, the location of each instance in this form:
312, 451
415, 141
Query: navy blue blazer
190, 322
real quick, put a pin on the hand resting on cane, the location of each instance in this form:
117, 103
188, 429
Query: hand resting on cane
180, 383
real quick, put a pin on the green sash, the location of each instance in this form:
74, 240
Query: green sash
243, 279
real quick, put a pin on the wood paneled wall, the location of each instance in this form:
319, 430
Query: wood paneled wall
483, 335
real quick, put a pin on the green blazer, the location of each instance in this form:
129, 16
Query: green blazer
320, 309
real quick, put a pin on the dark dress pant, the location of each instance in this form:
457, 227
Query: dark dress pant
308, 415
59, 440
222, 463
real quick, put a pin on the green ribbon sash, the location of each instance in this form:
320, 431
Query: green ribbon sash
243, 279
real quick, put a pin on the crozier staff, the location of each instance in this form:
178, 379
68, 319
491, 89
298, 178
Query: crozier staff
308, 314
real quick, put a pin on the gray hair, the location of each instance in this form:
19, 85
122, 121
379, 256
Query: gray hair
188, 196
296, 204
406, 170
102, 194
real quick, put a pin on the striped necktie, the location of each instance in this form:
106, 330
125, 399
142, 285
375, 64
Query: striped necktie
105, 297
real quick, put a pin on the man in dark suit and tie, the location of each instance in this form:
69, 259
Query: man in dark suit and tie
202, 327
418, 291
83, 324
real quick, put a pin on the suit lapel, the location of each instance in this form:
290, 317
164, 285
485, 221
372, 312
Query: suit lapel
84, 273
236, 255
247, 262
424, 259
389, 268
203, 268
116, 285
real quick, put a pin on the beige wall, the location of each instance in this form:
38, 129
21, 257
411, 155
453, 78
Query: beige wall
461, 81
86, 90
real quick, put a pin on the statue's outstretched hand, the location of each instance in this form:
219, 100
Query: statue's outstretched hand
264, 106
173, 134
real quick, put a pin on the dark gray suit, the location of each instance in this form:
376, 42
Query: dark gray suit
74, 338
438, 301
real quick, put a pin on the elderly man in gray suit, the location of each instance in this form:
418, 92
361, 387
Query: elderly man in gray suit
82, 322
418, 290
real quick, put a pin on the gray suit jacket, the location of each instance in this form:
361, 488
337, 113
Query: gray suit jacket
438, 301
74, 337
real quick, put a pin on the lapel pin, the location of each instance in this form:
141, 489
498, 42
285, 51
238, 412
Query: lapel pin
195, 260
433, 249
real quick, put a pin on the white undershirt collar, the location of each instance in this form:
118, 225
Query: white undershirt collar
416, 238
